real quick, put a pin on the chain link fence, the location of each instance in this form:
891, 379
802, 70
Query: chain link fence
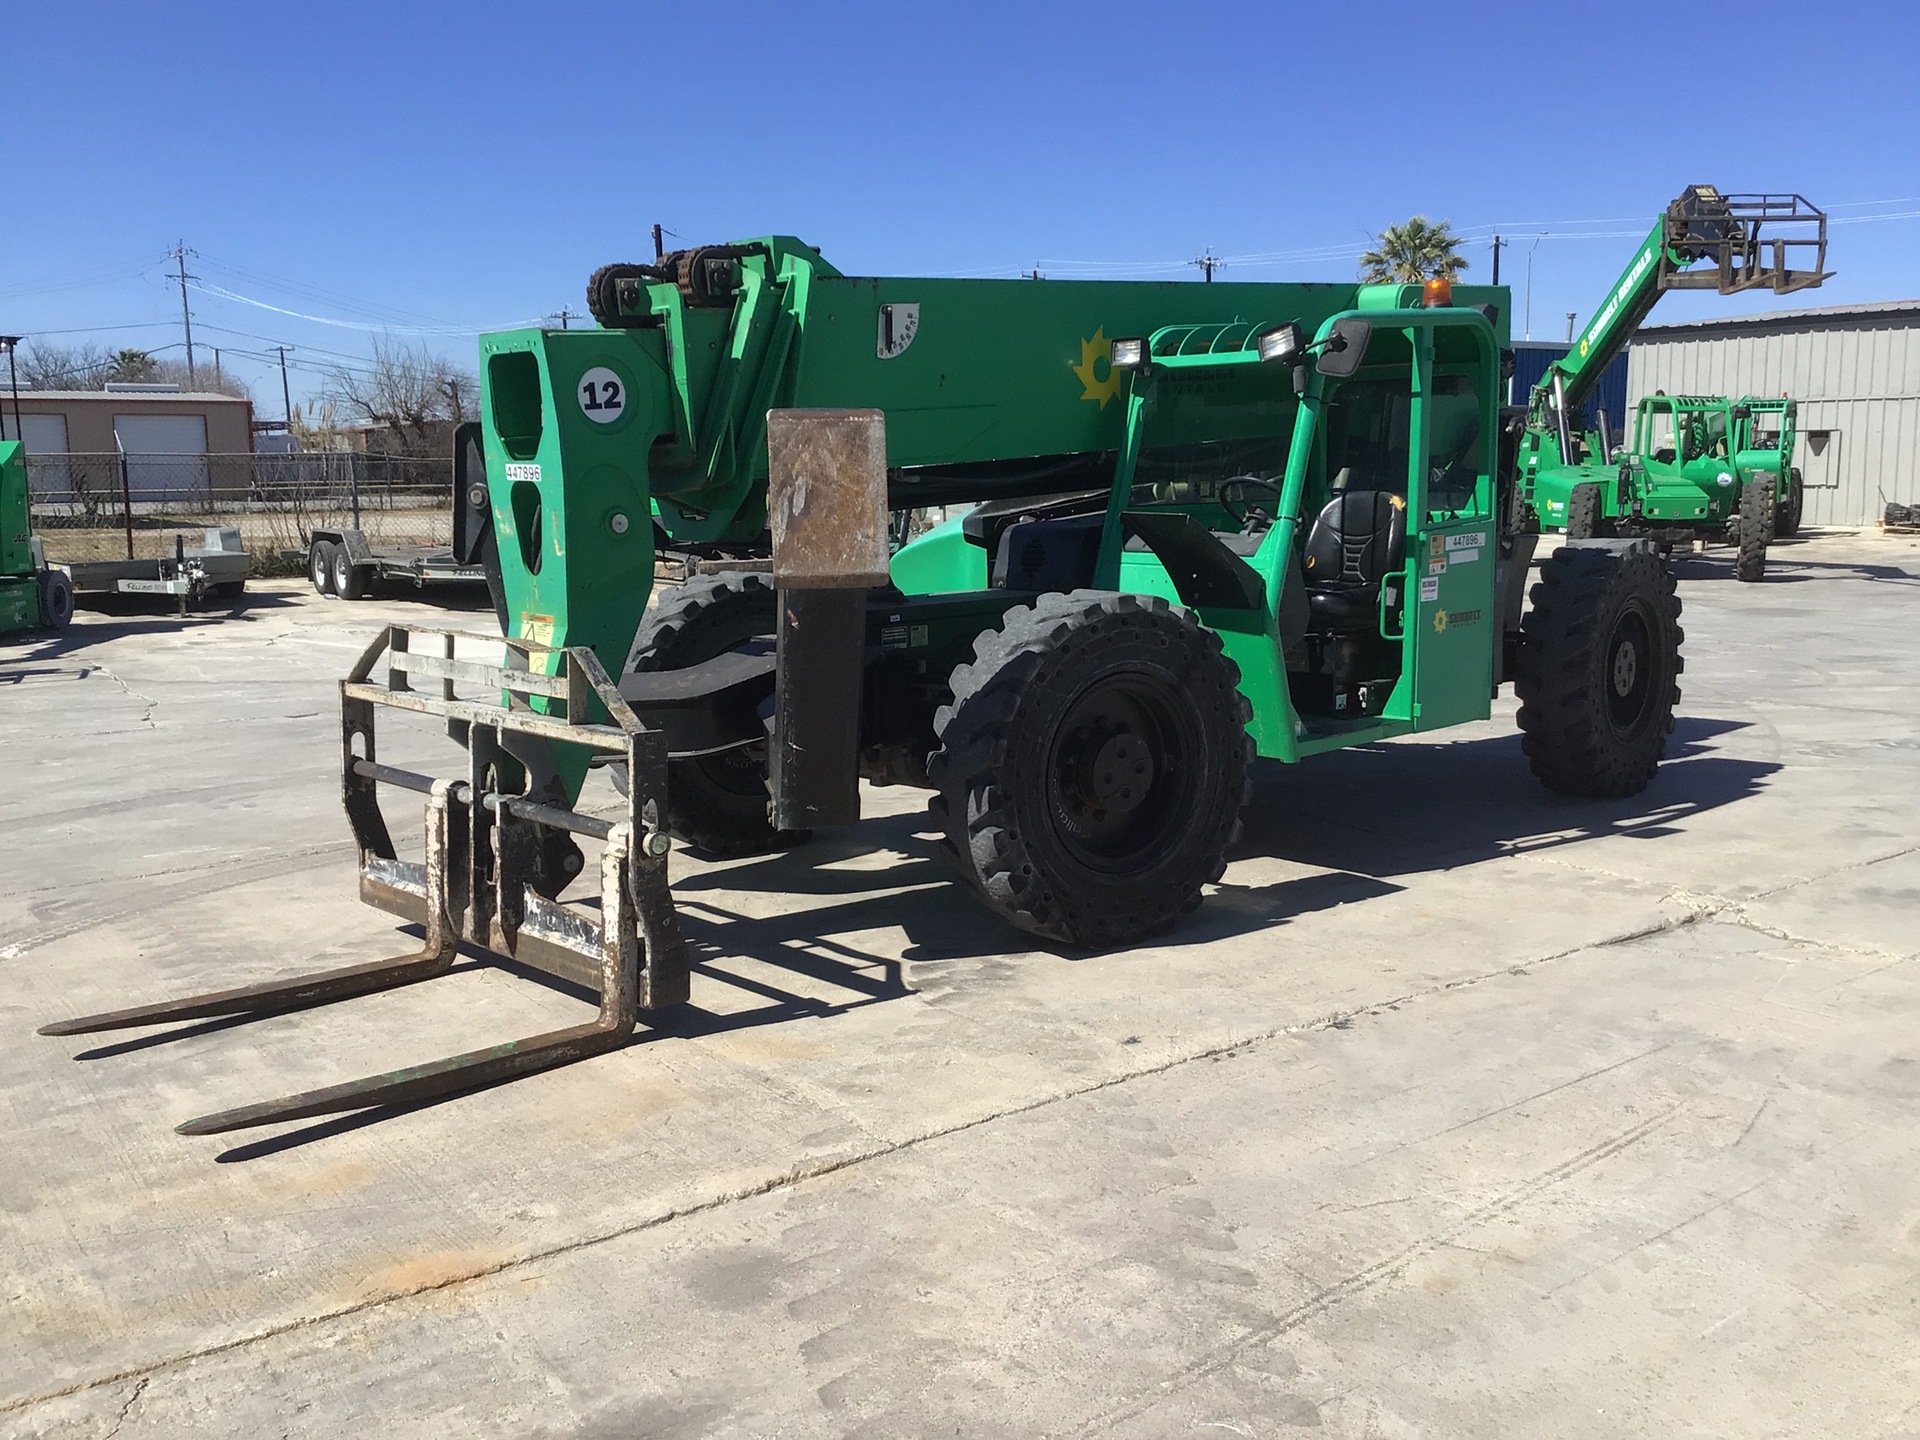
109, 507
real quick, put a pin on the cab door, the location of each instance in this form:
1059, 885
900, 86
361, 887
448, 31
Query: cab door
1452, 625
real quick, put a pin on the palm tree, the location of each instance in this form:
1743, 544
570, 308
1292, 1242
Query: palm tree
1407, 254
132, 365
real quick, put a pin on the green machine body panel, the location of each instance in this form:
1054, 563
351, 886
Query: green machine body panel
989, 388
19, 586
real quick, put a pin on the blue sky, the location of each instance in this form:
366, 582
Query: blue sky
431, 169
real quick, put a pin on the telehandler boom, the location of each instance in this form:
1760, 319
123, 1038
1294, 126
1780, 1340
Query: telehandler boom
1571, 478
1210, 523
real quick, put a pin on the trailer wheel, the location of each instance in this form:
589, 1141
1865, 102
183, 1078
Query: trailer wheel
1597, 670
1786, 519
1093, 765
1586, 517
320, 566
1756, 529
349, 580
717, 803
56, 599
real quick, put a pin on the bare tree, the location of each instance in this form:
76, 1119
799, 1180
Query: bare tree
410, 394
204, 378
64, 367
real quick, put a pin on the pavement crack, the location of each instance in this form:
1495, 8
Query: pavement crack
133, 1396
151, 704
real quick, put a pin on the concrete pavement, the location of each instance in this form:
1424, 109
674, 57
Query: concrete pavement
1460, 1109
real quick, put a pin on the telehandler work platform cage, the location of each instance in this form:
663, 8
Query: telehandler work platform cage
1208, 523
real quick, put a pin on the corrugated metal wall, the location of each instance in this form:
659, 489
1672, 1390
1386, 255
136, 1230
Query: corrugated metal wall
1858, 383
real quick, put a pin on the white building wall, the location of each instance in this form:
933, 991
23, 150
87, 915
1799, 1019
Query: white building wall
1858, 383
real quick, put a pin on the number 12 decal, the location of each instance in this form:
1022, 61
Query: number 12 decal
602, 396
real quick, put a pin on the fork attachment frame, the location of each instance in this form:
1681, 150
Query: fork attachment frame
499, 851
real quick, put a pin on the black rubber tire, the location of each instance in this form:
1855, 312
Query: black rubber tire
1786, 518
1756, 530
56, 599
350, 581
1597, 670
320, 566
716, 803
1586, 516
1037, 823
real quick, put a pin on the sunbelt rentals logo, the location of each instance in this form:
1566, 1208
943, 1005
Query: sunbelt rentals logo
1094, 353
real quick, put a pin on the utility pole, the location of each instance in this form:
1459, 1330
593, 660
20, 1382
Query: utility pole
1570, 315
1208, 263
216, 367
1530, 249
1498, 244
12, 342
563, 316
186, 316
286, 395
658, 249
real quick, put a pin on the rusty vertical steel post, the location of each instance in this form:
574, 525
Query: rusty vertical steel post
827, 506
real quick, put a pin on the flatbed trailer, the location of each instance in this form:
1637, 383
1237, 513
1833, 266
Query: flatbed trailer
216, 569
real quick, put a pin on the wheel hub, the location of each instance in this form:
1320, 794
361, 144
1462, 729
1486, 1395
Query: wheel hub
1121, 773
1626, 668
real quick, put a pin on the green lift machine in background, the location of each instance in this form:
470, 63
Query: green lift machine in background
32, 595
1583, 481
1207, 524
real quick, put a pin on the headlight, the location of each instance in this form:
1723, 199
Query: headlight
1129, 354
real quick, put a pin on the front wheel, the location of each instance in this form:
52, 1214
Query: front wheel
1093, 765
1586, 515
1597, 670
56, 599
1756, 521
1786, 520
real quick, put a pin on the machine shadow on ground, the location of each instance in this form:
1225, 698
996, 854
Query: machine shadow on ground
1366, 819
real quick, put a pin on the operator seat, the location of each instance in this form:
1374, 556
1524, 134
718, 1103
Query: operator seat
1356, 541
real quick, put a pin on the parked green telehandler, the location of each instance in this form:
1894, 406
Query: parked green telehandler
33, 595
1700, 467
1583, 481
1211, 523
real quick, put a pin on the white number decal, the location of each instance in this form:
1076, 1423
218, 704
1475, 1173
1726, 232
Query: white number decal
602, 396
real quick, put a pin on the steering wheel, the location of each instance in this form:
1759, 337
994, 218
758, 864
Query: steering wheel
1243, 517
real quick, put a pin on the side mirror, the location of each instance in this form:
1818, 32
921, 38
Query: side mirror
1346, 347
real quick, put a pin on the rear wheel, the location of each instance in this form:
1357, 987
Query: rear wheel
1093, 765
718, 803
1586, 518
1597, 670
1756, 529
1786, 520
349, 580
56, 599
320, 566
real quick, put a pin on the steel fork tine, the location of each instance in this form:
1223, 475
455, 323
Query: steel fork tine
451, 1076
322, 987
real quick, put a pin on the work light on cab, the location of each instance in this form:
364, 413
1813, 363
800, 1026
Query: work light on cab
1128, 354
1287, 342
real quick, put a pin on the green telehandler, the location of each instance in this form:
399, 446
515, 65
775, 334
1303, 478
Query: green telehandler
1581, 480
33, 594
1207, 523
1701, 466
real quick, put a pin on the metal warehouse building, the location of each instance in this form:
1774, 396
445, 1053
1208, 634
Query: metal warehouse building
1855, 370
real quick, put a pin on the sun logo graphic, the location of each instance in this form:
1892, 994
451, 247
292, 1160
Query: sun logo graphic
1094, 352
1439, 621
